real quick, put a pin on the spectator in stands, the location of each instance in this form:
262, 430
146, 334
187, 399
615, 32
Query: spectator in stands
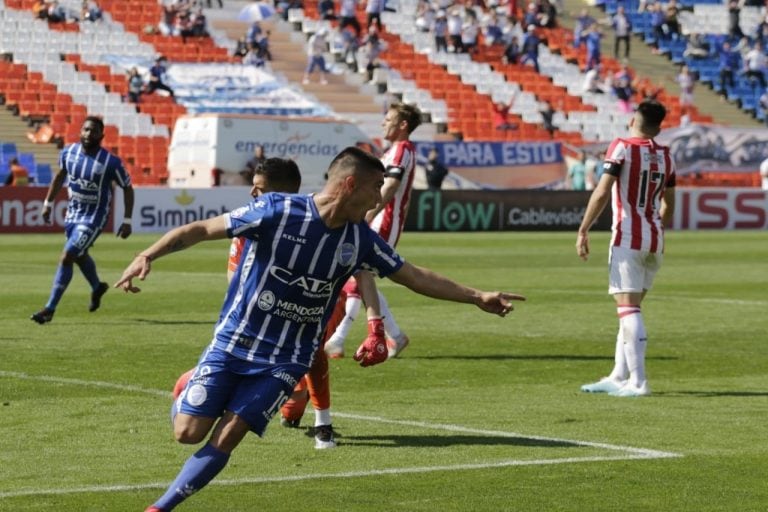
734, 19
167, 24
763, 101
56, 12
370, 55
531, 17
19, 176
199, 24
373, 10
594, 83
327, 10
687, 81
696, 47
761, 32
157, 77
730, 61
547, 112
470, 29
755, 65
622, 89
671, 22
440, 31
348, 16
657, 24
491, 29
40, 9
263, 42
501, 116
253, 34
622, 31
583, 22
183, 25
254, 164
90, 11
530, 48
435, 170
241, 48
576, 179
511, 52
253, 56
454, 31
135, 85
425, 16
316, 48
546, 14
592, 38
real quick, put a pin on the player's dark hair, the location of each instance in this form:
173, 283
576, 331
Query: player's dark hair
408, 113
652, 113
354, 159
282, 174
97, 121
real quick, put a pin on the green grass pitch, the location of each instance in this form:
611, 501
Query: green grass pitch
479, 414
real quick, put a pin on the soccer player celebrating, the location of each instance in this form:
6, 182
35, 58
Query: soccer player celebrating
387, 219
91, 172
300, 251
639, 175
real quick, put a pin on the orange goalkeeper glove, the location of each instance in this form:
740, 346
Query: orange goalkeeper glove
373, 350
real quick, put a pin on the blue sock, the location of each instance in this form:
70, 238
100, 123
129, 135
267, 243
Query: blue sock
60, 282
199, 469
88, 268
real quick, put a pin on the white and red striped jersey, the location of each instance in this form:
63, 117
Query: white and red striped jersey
399, 162
643, 170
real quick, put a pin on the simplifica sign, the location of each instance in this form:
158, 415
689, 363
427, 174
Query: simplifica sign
511, 210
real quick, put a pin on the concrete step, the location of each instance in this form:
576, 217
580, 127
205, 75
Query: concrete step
14, 129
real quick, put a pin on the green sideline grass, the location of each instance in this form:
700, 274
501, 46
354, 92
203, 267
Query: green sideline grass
479, 414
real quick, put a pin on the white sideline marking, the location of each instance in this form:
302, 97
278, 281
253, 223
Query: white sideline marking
629, 452
674, 296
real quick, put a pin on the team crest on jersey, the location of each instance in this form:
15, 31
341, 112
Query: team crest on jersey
346, 254
266, 300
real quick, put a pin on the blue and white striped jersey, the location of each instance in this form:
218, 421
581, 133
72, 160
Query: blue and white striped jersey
90, 180
289, 277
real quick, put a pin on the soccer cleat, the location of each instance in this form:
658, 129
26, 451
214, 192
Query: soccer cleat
631, 390
324, 437
604, 385
43, 316
96, 296
289, 423
396, 345
334, 347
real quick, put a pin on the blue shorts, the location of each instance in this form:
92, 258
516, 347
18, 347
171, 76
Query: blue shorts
318, 61
253, 391
80, 238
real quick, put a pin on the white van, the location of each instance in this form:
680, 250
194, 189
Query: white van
206, 144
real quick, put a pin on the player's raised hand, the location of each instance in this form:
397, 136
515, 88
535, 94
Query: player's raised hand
498, 303
139, 267
373, 350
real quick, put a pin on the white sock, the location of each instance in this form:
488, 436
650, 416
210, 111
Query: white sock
390, 326
322, 417
620, 370
634, 346
352, 308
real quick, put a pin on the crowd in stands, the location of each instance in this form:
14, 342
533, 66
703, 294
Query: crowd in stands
55, 12
183, 18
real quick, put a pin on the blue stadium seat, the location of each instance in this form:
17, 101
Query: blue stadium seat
27, 160
5, 171
7, 148
43, 174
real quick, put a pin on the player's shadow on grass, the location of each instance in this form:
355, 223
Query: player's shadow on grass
712, 394
530, 357
427, 441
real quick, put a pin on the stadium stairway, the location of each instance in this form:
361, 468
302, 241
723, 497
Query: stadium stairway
660, 70
14, 129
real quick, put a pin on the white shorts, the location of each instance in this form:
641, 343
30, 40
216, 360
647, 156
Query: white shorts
631, 271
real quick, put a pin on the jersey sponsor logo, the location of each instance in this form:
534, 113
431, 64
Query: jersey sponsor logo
294, 238
346, 254
236, 214
266, 300
196, 395
286, 377
298, 313
312, 287
88, 185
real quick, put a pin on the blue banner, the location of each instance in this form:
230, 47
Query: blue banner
493, 154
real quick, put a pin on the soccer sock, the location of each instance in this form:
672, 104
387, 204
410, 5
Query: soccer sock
60, 282
88, 268
620, 370
199, 469
390, 326
351, 308
634, 347
293, 408
319, 382
322, 417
